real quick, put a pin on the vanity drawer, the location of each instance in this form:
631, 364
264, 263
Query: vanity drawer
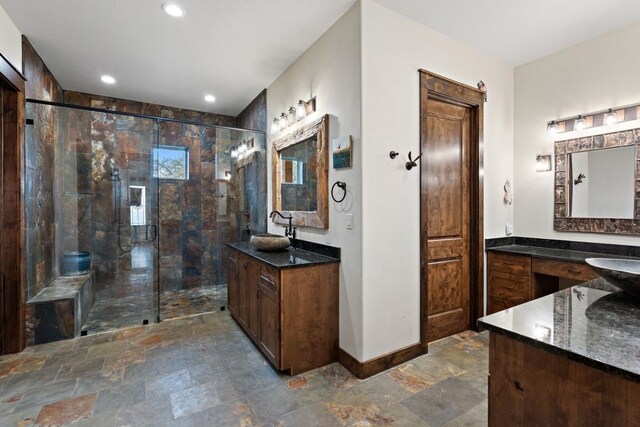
567, 270
507, 290
270, 274
514, 264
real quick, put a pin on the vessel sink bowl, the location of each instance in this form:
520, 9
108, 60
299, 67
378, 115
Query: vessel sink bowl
269, 242
623, 273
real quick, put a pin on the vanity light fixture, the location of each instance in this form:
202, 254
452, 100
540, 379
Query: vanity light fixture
172, 10
283, 121
552, 127
543, 162
108, 79
275, 126
580, 123
610, 118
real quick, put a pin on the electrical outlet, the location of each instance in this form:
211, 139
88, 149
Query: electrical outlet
349, 221
509, 229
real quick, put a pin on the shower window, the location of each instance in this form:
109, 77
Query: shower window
137, 206
170, 162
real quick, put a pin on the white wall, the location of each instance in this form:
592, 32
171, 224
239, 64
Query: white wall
10, 40
592, 76
330, 71
393, 49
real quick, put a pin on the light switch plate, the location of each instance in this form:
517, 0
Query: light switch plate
349, 221
509, 229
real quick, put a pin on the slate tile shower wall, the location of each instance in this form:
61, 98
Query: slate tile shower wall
42, 219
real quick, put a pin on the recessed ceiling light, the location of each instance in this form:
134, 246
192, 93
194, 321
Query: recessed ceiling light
108, 79
209, 98
173, 10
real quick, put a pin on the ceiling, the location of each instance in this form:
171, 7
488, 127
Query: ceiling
229, 48
520, 31
235, 48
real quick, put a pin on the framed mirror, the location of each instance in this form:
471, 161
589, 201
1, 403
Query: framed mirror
597, 183
300, 173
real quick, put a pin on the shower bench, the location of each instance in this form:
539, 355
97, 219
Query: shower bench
60, 309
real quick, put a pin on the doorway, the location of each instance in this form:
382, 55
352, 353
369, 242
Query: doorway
12, 308
451, 116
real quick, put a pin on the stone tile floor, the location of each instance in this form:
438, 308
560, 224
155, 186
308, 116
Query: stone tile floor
203, 371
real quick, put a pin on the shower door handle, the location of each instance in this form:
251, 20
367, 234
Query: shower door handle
154, 231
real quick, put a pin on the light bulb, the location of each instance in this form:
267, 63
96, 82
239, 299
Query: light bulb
283, 121
242, 148
234, 152
301, 112
275, 126
552, 127
580, 124
610, 118
108, 79
210, 98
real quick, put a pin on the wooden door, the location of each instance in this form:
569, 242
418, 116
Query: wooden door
446, 174
269, 320
251, 283
243, 306
233, 294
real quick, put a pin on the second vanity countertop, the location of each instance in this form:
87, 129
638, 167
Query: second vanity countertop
592, 323
552, 253
290, 258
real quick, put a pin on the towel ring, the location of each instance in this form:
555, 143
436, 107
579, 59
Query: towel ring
343, 186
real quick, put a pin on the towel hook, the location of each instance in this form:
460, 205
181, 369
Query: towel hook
412, 162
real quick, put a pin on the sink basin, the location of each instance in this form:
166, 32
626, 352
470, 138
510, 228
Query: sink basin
269, 242
623, 273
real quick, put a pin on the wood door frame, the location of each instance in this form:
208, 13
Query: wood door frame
434, 86
11, 209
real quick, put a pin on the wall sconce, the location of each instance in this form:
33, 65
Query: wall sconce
608, 117
275, 126
283, 121
292, 116
543, 163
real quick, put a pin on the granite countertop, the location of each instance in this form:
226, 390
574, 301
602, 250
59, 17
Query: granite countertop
552, 253
593, 323
290, 258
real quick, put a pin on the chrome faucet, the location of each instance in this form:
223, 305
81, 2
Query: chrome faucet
289, 230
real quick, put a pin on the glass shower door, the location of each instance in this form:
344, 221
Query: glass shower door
202, 206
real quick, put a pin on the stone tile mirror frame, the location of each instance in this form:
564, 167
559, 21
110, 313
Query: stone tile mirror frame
319, 218
562, 221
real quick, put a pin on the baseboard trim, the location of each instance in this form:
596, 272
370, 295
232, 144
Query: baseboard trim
371, 367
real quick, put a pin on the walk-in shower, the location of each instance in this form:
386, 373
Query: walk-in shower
152, 200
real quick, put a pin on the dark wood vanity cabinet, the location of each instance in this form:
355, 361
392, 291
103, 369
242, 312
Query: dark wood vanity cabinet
515, 279
291, 314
